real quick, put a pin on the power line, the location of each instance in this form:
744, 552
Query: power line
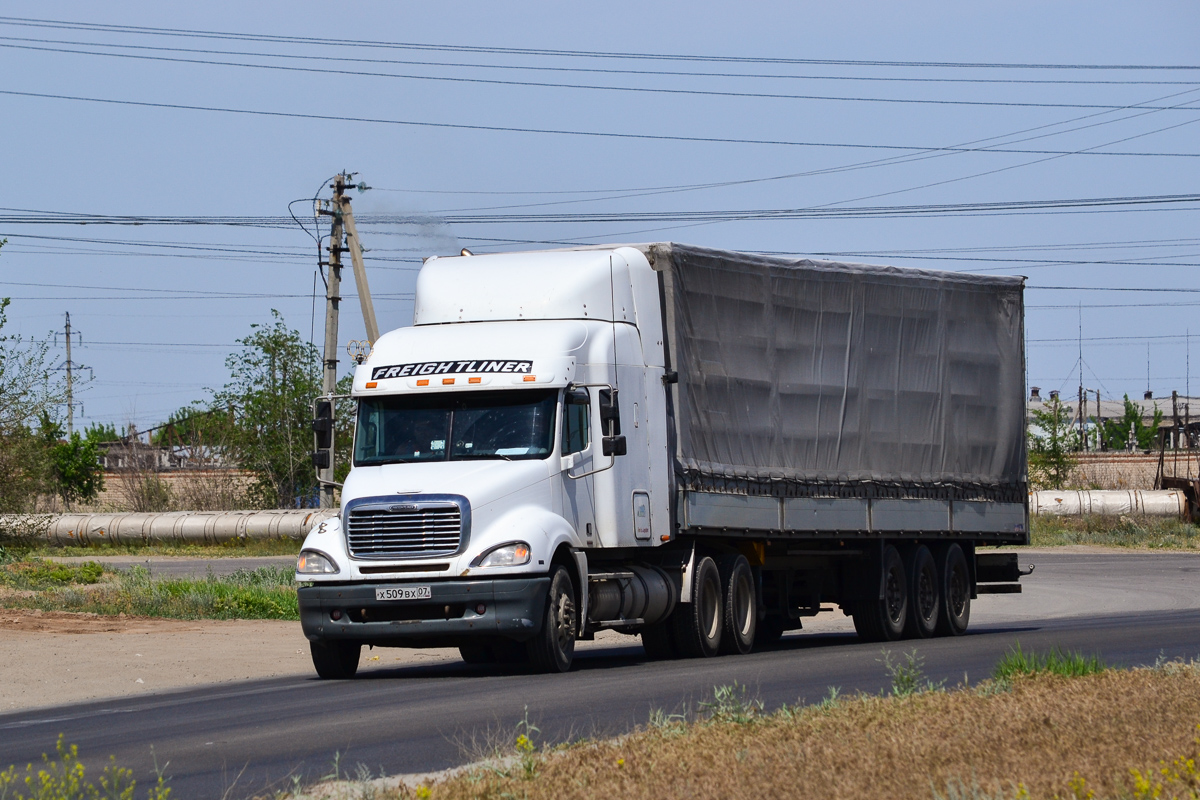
583, 86
566, 132
191, 33
605, 71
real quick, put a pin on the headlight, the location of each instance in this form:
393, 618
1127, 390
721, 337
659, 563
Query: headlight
311, 562
513, 554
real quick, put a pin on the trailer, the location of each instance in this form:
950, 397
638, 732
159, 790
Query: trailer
699, 447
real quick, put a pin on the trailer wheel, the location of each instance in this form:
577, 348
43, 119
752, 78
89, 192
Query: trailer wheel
924, 594
698, 624
955, 581
740, 605
335, 660
659, 642
553, 648
882, 619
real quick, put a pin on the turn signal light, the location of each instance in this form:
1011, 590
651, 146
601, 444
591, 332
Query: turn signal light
423, 382
447, 381
530, 378
474, 380
372, 384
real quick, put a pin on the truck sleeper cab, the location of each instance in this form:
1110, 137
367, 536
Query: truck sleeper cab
630, 438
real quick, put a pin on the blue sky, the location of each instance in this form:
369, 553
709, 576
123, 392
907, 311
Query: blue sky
155, 340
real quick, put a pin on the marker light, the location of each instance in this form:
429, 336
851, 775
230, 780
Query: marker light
423, 382
512, 554
311, 562
447, 381
530, 378
474, 380
372, 384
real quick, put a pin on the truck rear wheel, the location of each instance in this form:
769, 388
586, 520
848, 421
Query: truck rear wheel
881, 619
740, 605
955, 580
553, 648
335, 659
698, 624
924, 594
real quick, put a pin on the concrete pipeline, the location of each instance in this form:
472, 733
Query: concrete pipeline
198, 527
1108, 503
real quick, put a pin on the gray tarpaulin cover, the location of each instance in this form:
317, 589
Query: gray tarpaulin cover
805, 377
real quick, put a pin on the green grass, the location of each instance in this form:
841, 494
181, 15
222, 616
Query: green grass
263, 593
1016, 663
236, 548
1133, 532
39, 574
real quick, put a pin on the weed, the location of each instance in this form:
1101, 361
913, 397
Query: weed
669, 724
831, 700
526, 749
1158, 534
732, 703
1017, 663
65, 779
37, 574
1182, 773
263, 593
908, 678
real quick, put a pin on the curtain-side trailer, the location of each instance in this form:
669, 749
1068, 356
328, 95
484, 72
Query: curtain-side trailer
696, 446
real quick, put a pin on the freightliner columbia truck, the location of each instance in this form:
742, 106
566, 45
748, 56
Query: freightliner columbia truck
698, 447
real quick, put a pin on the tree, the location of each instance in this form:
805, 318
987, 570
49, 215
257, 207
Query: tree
1052, 440
1116, 431
273, 380
26, 391
74, 463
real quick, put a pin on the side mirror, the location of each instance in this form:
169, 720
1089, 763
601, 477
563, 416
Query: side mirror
323, 425
614, 445
320, 459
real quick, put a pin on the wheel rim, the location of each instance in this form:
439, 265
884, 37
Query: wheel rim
926, 595
894, 596
743, 600
564, 622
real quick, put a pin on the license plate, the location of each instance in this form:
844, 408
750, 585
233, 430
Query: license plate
403, 593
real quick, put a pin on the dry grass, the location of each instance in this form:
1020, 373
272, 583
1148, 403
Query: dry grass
1046, 736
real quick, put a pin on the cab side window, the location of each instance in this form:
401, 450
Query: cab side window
575, 433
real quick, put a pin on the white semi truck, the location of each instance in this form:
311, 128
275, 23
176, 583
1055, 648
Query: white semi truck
699, 447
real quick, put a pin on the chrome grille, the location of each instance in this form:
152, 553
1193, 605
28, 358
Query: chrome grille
384, 533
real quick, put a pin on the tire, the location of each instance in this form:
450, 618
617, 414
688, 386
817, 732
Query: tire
553, 648
739, 602
659, 642
924, 594
697, 625
335, 660
882, 619
955, 580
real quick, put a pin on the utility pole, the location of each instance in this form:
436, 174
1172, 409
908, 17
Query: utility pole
70, 387
333, 299
70, 367
360, 271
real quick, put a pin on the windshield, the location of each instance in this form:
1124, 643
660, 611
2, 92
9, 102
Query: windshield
400, 429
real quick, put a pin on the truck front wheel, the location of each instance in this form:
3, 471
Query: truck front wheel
553, 648
335, 659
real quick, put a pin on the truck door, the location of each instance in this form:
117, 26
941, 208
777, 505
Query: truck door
578, 452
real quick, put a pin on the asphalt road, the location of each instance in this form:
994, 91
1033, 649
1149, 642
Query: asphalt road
1129, 608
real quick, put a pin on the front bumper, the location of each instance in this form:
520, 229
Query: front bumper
513, 609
